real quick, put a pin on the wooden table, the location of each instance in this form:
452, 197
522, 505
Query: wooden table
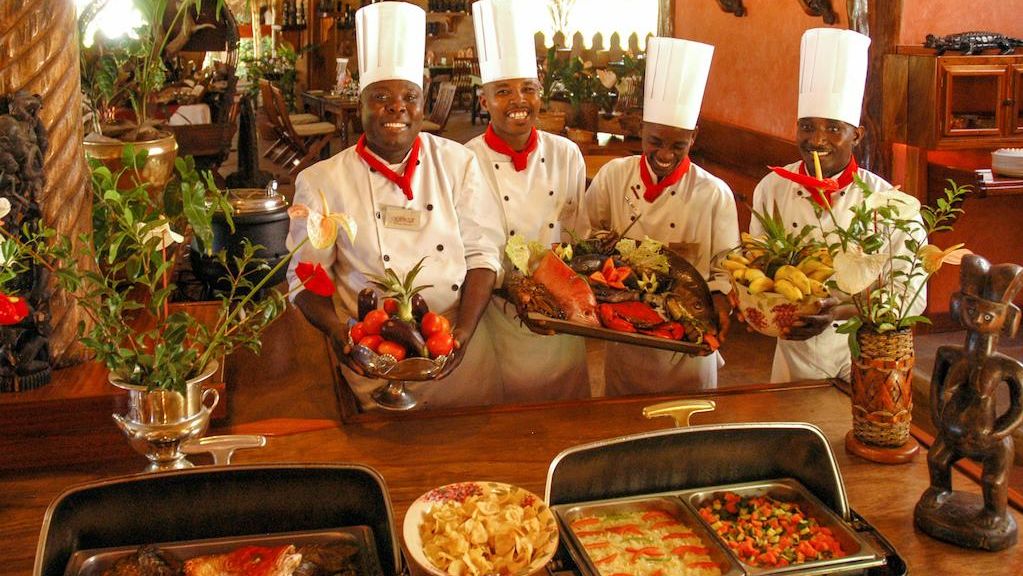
343, 110
418, 451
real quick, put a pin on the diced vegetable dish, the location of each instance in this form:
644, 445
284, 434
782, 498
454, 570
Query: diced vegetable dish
763, 531
650, 542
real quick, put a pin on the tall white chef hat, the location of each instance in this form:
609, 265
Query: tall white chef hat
676, 75
504, 39
391, 38
832, 74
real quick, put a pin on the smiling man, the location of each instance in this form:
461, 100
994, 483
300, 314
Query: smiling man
539, 179
832, 76
673, 201
412, 195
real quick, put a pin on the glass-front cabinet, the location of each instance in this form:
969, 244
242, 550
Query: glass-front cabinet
1016, 117
972, 97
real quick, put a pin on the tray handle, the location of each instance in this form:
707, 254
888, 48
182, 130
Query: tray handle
680, 410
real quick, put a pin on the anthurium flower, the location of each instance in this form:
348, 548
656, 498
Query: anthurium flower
855, 271
607, 77
906, 207
164, 233
322, 226
13, 309
315, 278
5, 208
933, 257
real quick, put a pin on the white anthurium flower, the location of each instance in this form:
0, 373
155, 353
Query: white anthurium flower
933, 257
855, 271
164, 233
906, 207
322, 226
607, 77
5, 208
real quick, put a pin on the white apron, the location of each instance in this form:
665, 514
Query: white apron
827, 354
543, 203
696, 216
452, 220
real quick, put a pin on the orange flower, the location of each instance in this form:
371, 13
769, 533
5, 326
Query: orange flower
933, 257
322, 226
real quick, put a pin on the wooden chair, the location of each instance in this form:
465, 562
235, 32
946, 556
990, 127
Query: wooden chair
281, 151
441, 109
305, 140
462, 71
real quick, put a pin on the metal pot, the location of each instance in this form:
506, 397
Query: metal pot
261, 217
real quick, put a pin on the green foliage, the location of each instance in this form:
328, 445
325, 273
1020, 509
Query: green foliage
120, 273
280, 69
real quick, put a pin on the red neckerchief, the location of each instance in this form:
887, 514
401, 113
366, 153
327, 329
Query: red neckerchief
654, 190
405, 180
518, 159
820, 190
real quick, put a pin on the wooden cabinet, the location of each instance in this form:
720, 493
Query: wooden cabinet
442, 24
956, 102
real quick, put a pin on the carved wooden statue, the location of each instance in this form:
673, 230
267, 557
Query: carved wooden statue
963, 388
24, 347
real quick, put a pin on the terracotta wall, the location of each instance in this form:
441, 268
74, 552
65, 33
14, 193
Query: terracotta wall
923, 17
754, 75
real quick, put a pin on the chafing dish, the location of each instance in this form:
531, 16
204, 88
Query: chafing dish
687, 463
219, 504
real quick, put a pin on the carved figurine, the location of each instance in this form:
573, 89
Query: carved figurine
24, 347
963, 389
972, 42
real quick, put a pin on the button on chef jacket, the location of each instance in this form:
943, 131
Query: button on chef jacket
542, 203
698, 216
459, 229
827, 354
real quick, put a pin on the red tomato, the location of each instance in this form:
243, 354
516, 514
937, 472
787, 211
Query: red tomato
433, 323
374, 320
391, 306
358, 332
372, 341
440, 344
392, 348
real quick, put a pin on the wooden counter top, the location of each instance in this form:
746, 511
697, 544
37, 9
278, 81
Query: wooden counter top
516, 444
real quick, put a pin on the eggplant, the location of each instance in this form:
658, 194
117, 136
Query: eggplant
587, 264
419, 306
406, 334
367, 302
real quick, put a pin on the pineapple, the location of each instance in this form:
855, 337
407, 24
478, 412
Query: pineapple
402, 289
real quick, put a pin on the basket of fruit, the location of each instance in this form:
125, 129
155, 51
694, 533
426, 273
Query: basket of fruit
397, 337
777, 277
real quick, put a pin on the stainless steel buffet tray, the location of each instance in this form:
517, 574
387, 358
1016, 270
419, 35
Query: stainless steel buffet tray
94, 562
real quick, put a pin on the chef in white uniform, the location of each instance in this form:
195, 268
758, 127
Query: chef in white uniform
832, 75
676, 202
412, 195
540, 179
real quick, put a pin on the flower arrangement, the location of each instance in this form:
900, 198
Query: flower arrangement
881, 258
120, 274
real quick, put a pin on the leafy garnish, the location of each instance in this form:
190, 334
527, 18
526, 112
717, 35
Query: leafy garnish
646, 257
524, 254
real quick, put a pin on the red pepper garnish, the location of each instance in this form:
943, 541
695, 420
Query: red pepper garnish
611, 275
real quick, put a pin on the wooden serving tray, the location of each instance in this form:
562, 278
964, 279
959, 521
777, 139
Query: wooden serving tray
538, 321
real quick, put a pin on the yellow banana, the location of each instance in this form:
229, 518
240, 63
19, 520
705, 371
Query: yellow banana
809, 264
799, 280
732, 265
736, 257
784, 272
818, 289
754, 253
762, 284
788, 290
822, 274
738, 273
752, 274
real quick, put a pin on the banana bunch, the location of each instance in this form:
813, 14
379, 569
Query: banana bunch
795, 283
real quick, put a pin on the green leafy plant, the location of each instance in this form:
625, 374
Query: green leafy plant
121, 275
280, 69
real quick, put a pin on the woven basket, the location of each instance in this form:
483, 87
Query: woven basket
882, 393
553, 122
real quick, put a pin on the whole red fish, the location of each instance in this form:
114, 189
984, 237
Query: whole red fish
569, 289
246, 561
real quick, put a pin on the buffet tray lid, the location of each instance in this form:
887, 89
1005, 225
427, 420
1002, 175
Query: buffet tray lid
217, 502
695, 457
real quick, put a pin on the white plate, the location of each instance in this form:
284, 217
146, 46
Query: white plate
426, 502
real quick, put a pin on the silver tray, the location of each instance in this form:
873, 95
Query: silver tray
94, 561
861, 554
567, 514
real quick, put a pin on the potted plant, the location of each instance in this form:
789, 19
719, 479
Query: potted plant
125, 73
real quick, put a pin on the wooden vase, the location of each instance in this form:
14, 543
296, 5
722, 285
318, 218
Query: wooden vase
882, 397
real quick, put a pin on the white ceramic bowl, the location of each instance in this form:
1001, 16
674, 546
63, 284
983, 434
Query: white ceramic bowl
1007, 162
769, 312
544, 550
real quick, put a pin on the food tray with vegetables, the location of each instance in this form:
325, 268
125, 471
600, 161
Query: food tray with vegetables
778, 527
642, 536
613, 288
347, 551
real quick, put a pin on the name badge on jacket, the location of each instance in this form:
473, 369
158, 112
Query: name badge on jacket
402, 218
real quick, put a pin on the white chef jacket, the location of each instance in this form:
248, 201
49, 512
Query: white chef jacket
542, 203
696, 216
452, 220
827, 354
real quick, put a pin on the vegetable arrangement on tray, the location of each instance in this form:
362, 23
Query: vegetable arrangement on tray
614, 288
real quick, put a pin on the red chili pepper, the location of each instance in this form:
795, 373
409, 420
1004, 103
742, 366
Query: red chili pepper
655, 514
585, 522
626, 529
606, 559
681, 550
588, 533
678, 536
701, 565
